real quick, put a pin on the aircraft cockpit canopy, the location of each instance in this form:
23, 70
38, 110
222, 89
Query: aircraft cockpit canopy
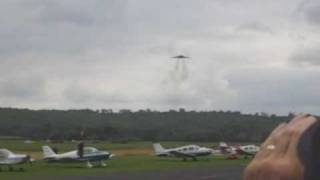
89, 150
191, 148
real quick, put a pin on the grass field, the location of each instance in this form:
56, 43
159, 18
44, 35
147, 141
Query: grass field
135, 157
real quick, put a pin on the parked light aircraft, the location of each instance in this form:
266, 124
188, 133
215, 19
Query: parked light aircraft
247, 150
189, 151
83, 154
10, 159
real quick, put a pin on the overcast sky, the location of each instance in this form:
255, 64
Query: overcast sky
247, 55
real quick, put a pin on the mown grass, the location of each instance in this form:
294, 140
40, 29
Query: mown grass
131, 164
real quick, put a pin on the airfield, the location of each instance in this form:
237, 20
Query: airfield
134, 160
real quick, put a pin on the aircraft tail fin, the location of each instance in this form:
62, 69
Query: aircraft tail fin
47, 151
224, 148
4, 153
223, 145
158, 149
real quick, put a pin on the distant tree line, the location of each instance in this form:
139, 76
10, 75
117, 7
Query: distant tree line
146, 125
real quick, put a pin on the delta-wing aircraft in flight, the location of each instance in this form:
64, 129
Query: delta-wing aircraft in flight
184, 152
10, 159
181, 57
83, 154
232, 151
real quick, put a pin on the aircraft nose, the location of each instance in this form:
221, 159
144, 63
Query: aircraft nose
108, 154
112, 155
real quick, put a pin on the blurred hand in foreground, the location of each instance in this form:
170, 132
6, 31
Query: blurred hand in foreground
278, 158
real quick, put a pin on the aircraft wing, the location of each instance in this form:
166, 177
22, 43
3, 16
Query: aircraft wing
78, 159
4, 162
181, 154
64, 159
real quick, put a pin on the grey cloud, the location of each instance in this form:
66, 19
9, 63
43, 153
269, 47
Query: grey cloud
313, 14
78, 93
276, 90
82, 13
22, 87
62, 27
254, 26
311, 11
307, 56
57, 13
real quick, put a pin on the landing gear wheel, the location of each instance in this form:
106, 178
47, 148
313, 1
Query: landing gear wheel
102, 164
89, 165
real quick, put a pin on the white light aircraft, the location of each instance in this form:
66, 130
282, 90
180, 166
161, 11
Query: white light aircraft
83, 154
10, 159
189, 151
247, 150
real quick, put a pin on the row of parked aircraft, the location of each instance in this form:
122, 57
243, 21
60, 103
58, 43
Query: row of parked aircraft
91, 155
88, 155
194, 151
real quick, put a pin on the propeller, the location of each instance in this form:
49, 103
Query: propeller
80, 149
81, 144
112, 156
